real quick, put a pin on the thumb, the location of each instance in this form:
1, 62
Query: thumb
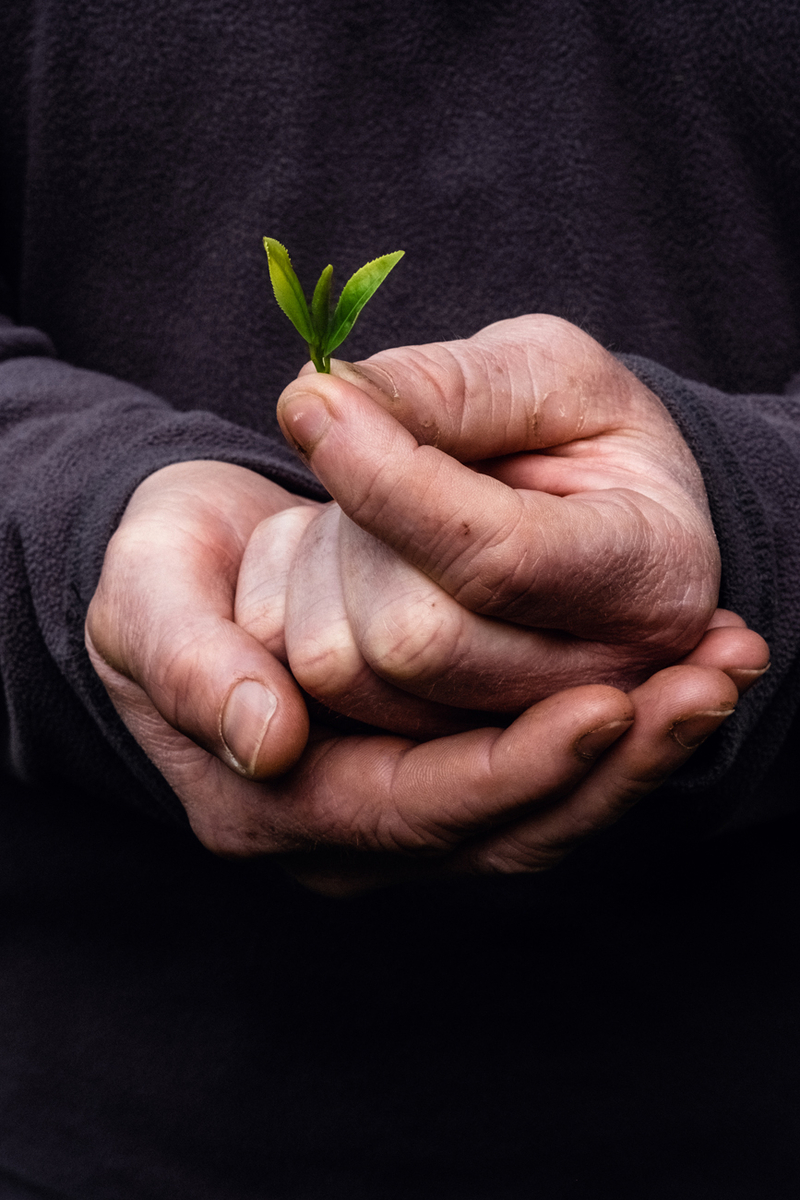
218, 686
162, 619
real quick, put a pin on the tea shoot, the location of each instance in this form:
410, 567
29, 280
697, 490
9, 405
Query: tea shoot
322, 326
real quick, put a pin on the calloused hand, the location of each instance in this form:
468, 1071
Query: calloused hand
354, 811
522, 474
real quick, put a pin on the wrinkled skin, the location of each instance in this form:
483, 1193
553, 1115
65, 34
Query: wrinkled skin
544, 558
581, 515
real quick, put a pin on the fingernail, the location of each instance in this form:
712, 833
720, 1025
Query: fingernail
305, 419
598, 740
751, 673
245, 719
693, 731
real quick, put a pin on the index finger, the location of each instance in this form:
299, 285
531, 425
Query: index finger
497, 550
522, 384
385, 794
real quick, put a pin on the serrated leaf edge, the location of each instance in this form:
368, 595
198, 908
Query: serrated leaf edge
340, 326
285, 271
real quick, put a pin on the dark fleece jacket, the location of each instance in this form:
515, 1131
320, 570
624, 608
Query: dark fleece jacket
633, 167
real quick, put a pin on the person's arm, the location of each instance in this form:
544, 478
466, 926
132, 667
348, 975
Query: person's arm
360, 810
74, 446
357, 810
748, 450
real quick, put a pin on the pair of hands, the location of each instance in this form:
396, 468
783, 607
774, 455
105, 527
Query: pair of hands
518, 529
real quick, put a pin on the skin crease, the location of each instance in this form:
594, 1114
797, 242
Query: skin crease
218, 578
601, 540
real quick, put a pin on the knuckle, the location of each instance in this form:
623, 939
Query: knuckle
378, 485
493, 573
515, 856
326, 664
119, 615
387, 828
432, 375
175, 660
172, 666
226, 843
409, 639
412, 836
103, 611
391, 816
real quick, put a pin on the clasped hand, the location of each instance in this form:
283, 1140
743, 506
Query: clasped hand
518, 529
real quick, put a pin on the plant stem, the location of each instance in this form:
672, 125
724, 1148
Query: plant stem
323, 365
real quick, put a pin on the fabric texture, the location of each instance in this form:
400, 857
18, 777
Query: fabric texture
179, 1026
641, 184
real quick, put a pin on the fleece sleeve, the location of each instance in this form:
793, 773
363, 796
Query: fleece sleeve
74, 445
748, 449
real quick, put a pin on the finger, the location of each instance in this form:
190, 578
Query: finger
324, 655
356, 812
730, 646
162, 618
676, 710
583, 564
387, 795
724, 618
530, 383
260, 602
418, 638
522, 384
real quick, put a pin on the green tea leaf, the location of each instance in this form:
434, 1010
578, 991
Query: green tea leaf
355, 294
321, 331
321, 305
287, 288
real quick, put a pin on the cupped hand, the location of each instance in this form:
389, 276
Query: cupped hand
522, 474
355, 811
160, 630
